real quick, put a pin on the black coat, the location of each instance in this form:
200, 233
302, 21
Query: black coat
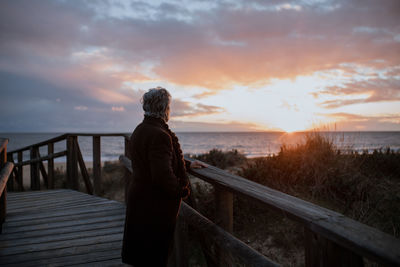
153, 196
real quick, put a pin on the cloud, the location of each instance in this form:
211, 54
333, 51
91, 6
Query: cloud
118, 109
377, 90
186, 109
354, 122
83, 108
97, 54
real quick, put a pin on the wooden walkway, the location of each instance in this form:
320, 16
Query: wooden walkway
61, 228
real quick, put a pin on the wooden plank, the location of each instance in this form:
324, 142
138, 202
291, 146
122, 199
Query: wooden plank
55, 198
96, 165
72, 163
75, 219
344, 231
5, 172
45, 203
21, 259
85, 174
50, 165
116, 222
56, 206
62, 236
61, 244
46, 215
95, 257
23, 199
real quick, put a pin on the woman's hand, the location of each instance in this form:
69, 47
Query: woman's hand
198, 165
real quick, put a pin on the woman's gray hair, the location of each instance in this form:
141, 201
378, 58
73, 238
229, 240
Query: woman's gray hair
156, 103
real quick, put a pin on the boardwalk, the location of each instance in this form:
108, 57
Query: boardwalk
61, 227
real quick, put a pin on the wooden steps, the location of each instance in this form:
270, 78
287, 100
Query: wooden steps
61, 228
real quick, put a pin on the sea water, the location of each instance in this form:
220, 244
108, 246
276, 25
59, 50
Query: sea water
252, 144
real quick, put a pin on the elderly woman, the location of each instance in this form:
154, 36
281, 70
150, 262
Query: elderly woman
159, 183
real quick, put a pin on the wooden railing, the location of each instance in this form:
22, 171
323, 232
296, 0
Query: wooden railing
331, 239
73, 156
5, 171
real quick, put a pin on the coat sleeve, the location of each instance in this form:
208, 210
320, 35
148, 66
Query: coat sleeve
162, 174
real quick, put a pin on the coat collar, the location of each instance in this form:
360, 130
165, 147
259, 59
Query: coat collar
154, 121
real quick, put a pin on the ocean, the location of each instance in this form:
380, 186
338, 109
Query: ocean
252, 144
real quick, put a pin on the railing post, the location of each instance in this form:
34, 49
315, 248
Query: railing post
320, 251
35, 175
3, 198
126, 150
10, 182
223, 218
72, 163
50, 166
20, 173
96, 165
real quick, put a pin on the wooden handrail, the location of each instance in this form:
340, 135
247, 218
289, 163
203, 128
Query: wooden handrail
43, 143
223, 239
47, 157
355, 236
64, 136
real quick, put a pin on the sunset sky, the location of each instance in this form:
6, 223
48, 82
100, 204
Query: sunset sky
69, 66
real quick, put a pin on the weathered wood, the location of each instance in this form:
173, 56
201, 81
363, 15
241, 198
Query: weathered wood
9, 157
91, 257
78, 227
223, 218
344, 231
223, 239
50, 165
84, 172
320, 251
40, 159
96, 165
224, 208
56, 253
35, 176
63, 236
61, 244
77, 233
126, 147
77, 213
20, 172
43, 172
43, 143
72, 163
5, 171
3, 144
